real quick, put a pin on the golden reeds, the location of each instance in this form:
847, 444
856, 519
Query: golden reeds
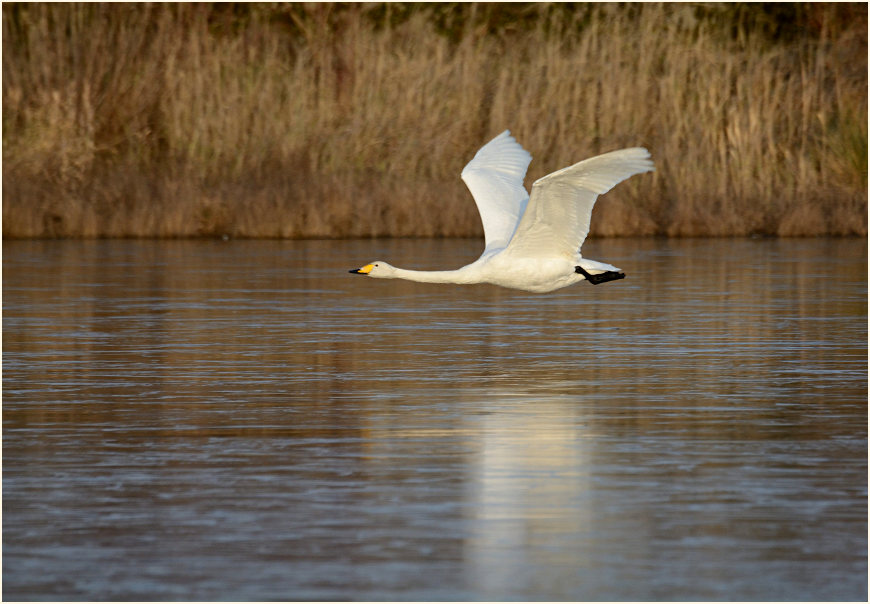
355, 120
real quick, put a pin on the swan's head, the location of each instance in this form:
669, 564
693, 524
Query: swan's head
378, 268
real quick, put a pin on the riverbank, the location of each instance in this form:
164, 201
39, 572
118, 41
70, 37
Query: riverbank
325, 120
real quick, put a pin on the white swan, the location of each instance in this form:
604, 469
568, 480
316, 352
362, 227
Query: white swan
532, 243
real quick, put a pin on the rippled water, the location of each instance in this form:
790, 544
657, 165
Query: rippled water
246, 420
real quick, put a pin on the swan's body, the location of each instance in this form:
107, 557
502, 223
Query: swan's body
532, 243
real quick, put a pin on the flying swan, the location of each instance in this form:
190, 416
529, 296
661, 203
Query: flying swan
532, 243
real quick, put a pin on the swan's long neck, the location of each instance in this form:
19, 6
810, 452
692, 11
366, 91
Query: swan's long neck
457, 276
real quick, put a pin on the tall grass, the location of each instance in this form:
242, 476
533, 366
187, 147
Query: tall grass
138, 120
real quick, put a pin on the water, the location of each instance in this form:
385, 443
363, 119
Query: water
247, 421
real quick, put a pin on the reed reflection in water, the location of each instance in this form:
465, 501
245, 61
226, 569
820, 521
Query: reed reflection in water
245, 420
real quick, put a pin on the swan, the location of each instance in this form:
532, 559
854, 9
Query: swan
532, 243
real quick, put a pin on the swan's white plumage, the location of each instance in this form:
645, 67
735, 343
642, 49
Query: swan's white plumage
495, 179
557, 218
532, 243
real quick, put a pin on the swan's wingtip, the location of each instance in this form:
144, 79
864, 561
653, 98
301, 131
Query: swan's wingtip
642, 154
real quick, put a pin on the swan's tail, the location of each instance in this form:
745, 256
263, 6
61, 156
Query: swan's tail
593, 266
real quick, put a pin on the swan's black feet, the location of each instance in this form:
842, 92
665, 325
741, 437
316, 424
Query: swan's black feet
601, 277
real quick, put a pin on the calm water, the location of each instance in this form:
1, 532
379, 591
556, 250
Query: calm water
246, 420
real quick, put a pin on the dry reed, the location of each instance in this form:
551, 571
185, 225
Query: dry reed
140, 120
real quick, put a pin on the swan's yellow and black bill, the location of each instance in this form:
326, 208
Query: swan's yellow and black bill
364, 270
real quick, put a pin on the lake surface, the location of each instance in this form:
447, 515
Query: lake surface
244, 420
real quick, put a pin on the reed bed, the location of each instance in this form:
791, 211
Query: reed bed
354, 120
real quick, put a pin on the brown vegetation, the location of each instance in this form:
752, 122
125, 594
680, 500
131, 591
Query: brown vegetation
139, 120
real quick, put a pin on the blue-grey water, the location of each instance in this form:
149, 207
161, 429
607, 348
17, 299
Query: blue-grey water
244, 420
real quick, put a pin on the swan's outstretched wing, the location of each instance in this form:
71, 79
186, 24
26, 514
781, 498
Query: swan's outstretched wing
495, 178
557, 219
